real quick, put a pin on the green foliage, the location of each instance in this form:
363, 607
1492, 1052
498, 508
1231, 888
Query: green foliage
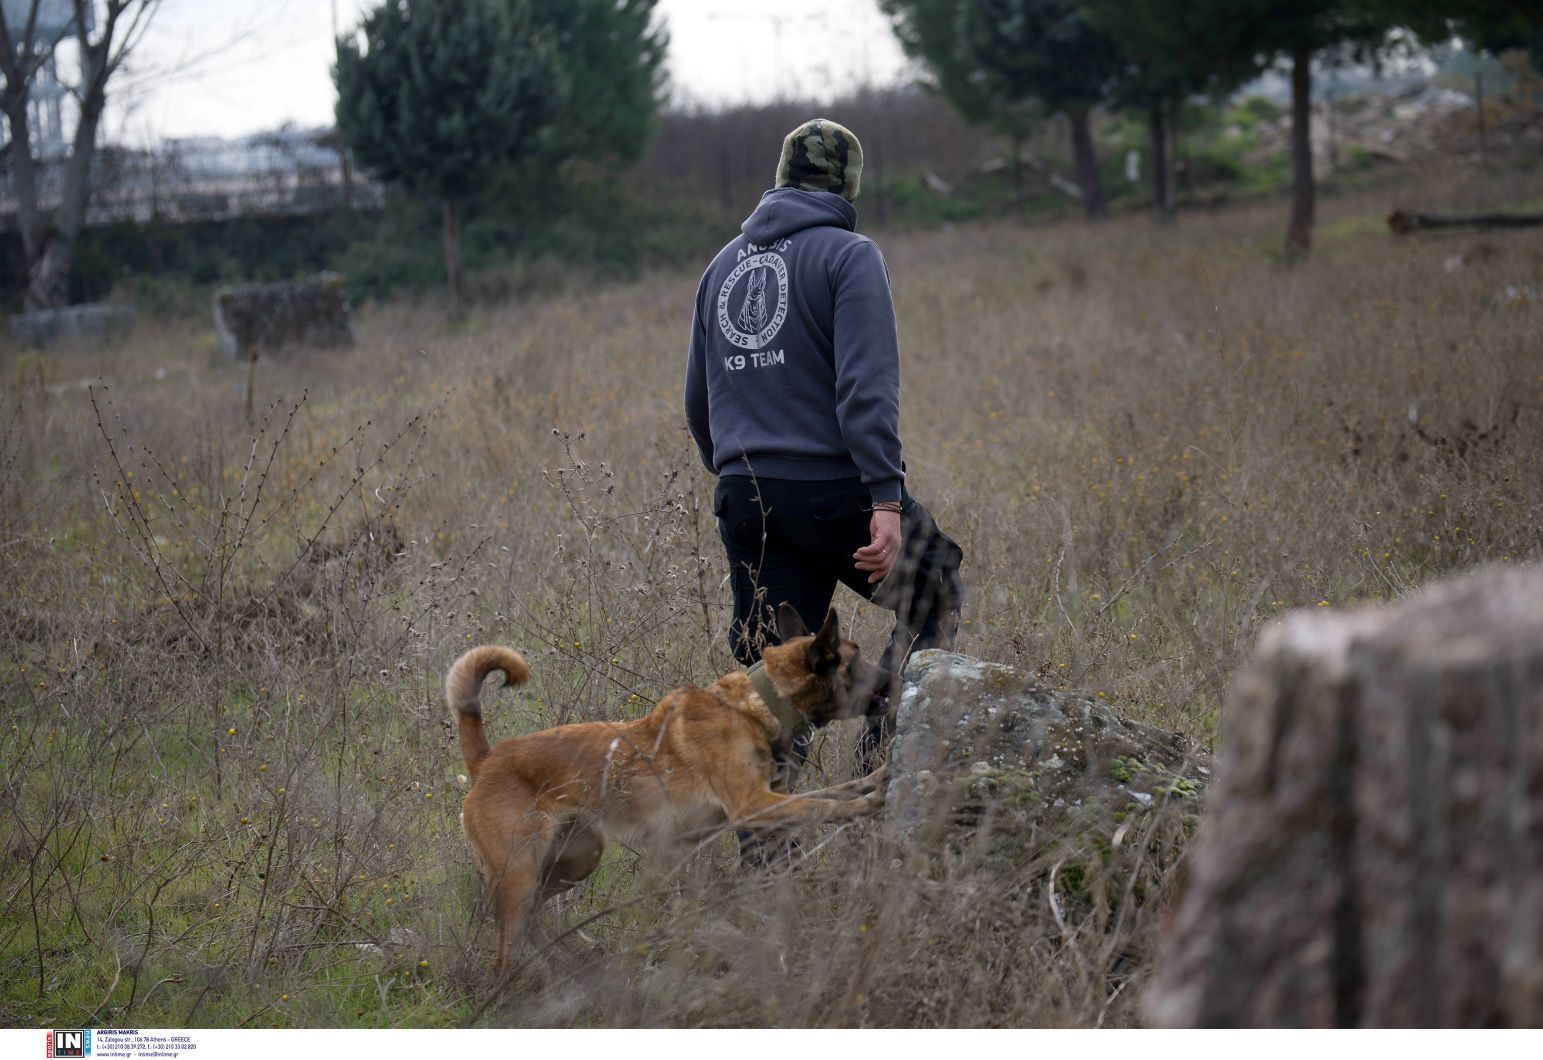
1252, 111
1170, 48
454, 98
443, 92
168, 268
1504, 34
613, 62
589, 227
1219, 161
1494, 26
995, 59
911, 199
596, 227
1041, 49
928, 30
450, 97
1279, 28
1003, 58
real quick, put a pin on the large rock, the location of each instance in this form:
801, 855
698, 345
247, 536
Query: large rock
990, 764
1373, 854
268, 317
93, 322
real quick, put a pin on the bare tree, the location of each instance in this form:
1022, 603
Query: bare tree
48, 237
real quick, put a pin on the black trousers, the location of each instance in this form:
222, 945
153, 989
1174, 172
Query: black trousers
792, 541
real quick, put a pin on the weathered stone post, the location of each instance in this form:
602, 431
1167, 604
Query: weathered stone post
267, 317
1374, 850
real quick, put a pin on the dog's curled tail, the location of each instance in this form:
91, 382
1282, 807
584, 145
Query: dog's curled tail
463, 688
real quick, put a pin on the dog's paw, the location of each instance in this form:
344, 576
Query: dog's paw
875, 781
872, 802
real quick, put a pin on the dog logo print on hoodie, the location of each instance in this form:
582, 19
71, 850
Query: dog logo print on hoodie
752, 317
762, 307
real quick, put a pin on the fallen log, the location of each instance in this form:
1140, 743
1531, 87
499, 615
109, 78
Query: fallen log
1033, 165
1403, 222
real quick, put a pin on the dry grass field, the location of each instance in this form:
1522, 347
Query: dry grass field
230, 785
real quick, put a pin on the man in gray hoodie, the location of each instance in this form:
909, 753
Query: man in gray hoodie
793, 397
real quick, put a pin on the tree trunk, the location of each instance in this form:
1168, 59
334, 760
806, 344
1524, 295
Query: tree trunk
725, 175
1086, 163
48, 275
875, 165
1175, 149
1299, 232
34, 230
1331, 119
1478, 99
52, 254
1371, 854
1156, 127
1015, 144
346, 166
453, 261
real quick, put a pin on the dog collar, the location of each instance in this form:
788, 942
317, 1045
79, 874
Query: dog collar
791, 720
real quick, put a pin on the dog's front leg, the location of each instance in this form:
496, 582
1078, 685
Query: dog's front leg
768, 809
874, 781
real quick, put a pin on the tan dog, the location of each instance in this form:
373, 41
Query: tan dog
542, 806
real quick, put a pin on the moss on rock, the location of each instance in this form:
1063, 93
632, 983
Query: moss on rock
1007, 776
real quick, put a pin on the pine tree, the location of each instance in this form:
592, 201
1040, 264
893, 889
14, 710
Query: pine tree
1000, 58
613, 58
1171, 50
445, 96
1301, 31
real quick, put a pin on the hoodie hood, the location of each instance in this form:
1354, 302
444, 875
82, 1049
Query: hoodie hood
783, 211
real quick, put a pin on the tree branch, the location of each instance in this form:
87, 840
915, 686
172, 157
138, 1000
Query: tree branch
144, 14
20, 71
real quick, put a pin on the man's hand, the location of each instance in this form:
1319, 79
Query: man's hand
880, 556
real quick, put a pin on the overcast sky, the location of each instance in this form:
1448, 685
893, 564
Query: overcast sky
232, 67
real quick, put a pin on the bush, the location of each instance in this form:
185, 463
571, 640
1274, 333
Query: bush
1251, 111
911, 201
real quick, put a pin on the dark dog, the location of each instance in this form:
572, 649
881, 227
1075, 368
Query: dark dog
542, 806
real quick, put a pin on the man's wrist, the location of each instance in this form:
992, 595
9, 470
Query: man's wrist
887, 493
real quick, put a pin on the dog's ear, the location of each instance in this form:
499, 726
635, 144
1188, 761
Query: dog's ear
825, 652
789, 625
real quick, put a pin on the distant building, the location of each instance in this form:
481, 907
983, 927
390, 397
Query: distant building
55, 21
279, 173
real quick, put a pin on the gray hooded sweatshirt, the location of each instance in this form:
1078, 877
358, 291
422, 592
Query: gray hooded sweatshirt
794, 369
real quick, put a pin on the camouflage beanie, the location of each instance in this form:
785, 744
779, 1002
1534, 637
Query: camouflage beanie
820, 155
